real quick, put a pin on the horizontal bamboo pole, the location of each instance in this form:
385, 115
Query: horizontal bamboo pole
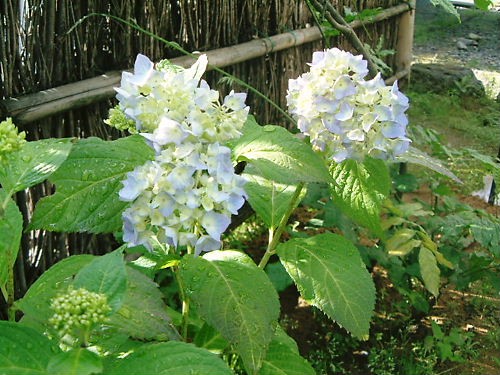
32, 107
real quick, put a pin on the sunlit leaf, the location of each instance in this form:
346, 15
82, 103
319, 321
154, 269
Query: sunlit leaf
415, 156
278, 155
359, 190
168, 358
269, 199
236, 297
87, 186
331, 275
33, 163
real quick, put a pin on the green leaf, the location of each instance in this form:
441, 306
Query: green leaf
429, 270
75, 362
487, 233
282, 360
236, 297
360, 189
168, 358
402, 242
142, 315
483, 4
106, 275
447, 6
36, 302
331, 275
211, 339
23, 350
269, 199
87, 186
415, 156
278, 276
33, 163
278, 155
11, 228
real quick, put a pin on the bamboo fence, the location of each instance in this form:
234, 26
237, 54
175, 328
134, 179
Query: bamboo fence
57, 83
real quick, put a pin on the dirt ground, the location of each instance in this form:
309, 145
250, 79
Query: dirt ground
437, 34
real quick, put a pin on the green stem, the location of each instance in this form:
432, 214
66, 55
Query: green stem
9, 287
3, 206
177, 47
275, 236
11, 312
185, 305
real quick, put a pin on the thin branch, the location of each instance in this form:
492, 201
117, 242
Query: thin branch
337, 21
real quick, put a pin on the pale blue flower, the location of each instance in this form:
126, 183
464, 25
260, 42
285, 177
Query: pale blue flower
215, 224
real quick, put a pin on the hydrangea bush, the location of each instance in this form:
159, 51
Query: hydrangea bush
169, 191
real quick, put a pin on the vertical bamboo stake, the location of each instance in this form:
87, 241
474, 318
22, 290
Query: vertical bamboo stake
404, 46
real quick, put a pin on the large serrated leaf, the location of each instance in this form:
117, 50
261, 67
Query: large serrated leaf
416, 156
33, 163
429, 270
142, 315
11, 228
36, 302
359, 190
168, 358
236, 297
23, 350
331, 275
78, 361
105, 275
87, 185
269, 199
279, 155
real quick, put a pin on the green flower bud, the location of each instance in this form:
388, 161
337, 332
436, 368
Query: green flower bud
77, 310
119, 120
10, 139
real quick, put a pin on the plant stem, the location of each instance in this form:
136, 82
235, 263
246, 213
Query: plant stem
275, 236
185, 305
10, 295
9, 287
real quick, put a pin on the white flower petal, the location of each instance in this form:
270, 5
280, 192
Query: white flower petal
215, 224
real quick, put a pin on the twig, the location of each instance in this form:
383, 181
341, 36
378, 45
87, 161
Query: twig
337, 21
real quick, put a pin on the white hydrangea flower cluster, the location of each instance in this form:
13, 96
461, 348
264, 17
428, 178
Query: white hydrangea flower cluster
178, 100
185, 197
346, 116
78, 309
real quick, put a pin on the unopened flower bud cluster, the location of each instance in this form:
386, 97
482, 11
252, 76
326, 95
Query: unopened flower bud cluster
346, 116
186, 195
10, 139
78, 309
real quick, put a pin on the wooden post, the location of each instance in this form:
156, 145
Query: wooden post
404, 47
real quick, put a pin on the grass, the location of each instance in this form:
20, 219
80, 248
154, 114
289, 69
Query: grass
436, 24
464, 122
